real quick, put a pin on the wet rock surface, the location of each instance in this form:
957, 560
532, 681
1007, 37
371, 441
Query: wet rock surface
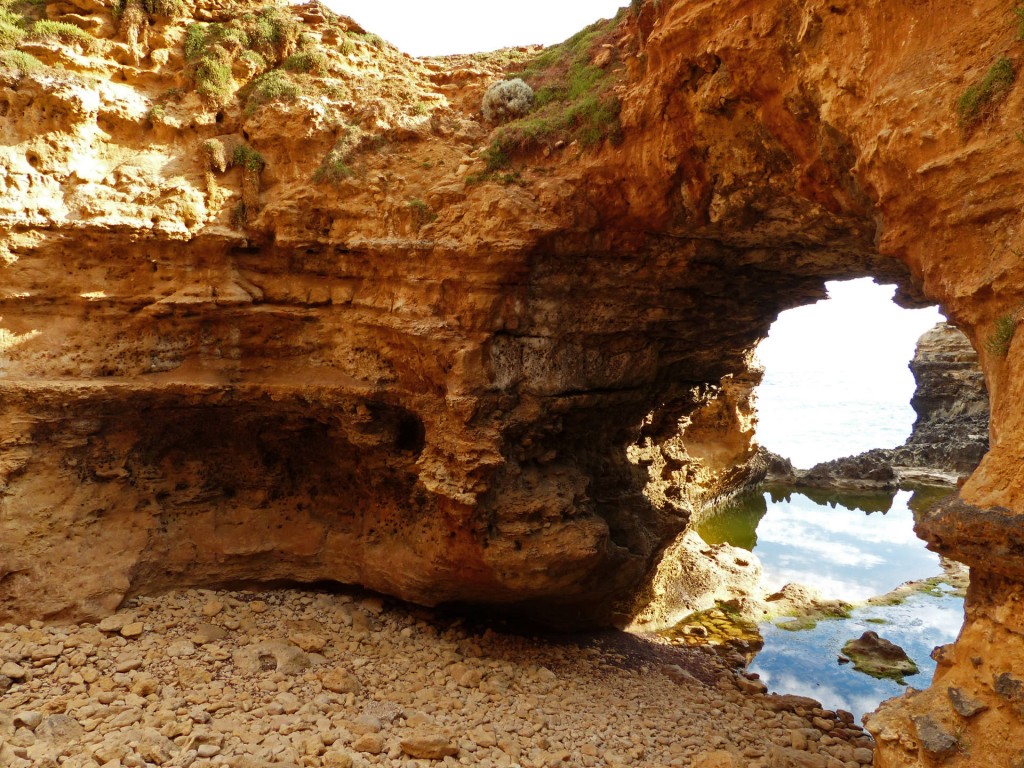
876, 656
388, 686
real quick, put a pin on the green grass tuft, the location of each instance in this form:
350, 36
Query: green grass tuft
195, 40
274, 86
372, 39
213, 79
63, 31
998, 342
263, 39
248, 158
333, 168
313, 62
980, 100
256, 60
20, 61
12, 28
422, 214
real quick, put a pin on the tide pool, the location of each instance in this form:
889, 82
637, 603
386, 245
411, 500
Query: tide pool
852, 548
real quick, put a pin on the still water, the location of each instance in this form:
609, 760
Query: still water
851, 548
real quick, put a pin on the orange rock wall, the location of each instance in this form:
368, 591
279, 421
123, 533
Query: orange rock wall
467, 405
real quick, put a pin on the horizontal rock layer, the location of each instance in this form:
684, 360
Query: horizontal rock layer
475, 392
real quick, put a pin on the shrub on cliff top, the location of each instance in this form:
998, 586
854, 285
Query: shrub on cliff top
507, 100
980, 99
573, 99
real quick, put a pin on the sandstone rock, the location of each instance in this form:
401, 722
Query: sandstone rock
717, 759
13, 671
134, 629
180, 648
60, 729
115, 622
370, 743
428, 746
337, 758
936, 741
271, 656
964, 705
340, 681
782, 757
208, 633
750, 686
308, 641
1010, 687
28, 719
366, 723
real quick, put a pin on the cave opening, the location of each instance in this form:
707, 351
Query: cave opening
836, 377
861, 444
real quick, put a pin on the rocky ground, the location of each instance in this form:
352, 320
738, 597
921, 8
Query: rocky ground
290, 678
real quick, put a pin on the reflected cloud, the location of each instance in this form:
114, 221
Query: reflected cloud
849, 555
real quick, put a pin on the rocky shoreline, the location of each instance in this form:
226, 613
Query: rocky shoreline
949, 437
290, 679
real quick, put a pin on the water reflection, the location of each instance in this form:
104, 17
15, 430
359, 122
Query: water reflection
852, 548
849, 547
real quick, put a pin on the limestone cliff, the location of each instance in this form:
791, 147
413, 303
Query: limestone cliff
951, 403
268, 317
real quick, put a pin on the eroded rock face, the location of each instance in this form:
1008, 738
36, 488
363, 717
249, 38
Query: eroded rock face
474, 392
951, 402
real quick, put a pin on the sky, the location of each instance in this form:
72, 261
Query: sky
836, 378
469, 26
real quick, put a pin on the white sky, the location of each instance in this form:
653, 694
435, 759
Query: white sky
468, 26
836, 378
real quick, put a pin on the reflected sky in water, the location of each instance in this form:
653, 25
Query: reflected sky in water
843, 552
805, 662
849, 554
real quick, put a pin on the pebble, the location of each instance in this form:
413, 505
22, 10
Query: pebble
208, 633
135, 629
429, 746
371, 743
13, 671
30, 720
